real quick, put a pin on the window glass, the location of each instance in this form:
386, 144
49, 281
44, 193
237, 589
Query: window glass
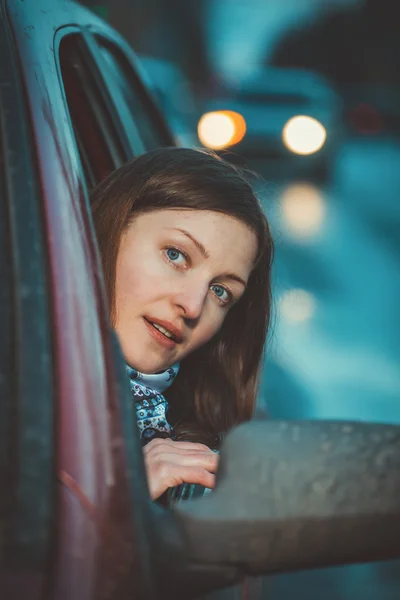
150, 125
100, 144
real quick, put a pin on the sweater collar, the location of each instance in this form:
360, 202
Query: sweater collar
156, 381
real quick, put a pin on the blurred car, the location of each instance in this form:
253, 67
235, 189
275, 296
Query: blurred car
356, 46
76, 519
371, 109
285, 116
173, 94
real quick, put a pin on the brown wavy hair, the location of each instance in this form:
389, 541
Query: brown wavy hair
218, 383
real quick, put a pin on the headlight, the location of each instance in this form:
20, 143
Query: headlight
297, 306
304, 135
303, 209
220, 129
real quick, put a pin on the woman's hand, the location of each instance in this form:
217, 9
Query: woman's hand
171, 463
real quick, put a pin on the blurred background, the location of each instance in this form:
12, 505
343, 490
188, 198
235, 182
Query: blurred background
306, 94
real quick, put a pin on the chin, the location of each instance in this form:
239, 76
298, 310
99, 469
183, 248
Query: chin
145, 366
140, 362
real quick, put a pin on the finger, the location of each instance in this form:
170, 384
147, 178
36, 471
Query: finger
169, 475
199, 459
160, 451
164, 444
196, 475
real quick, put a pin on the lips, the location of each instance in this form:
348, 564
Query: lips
173, 333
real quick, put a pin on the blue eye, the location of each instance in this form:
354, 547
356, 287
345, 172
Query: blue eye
176, 257
172, 254
222, 294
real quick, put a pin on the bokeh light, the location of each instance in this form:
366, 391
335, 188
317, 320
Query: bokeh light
220, 129
302, 208
304, 135
297, 305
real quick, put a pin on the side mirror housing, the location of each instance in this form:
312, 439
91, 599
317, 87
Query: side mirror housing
289, 496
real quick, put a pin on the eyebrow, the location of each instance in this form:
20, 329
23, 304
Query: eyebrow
198, 244
235, 278
204, 253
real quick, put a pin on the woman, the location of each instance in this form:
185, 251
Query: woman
186, 252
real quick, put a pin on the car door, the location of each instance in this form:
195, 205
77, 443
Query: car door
26, 361
68, 443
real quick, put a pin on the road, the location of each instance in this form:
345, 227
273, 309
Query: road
334, 352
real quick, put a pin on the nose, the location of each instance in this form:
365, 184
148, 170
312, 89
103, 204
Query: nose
191, 297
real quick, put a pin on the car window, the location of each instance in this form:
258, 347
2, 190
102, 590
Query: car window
150, 124
101, 142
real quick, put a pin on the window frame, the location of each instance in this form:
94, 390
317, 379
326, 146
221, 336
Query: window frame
98, 105
135, 77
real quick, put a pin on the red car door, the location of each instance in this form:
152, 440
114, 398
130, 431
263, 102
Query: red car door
68, 423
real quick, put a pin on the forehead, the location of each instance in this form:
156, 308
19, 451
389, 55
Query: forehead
227, 240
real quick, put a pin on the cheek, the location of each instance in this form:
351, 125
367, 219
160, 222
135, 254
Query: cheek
208, 329
136, 280
127, 286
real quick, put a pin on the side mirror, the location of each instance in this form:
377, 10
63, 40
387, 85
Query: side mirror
289, 495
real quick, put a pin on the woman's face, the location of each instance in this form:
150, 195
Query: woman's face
178, 273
